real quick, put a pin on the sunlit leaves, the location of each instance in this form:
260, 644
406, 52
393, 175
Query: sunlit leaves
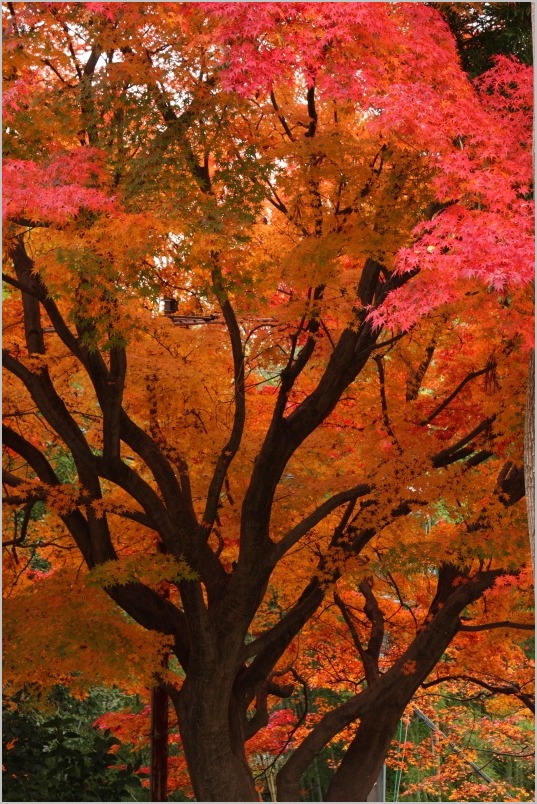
147, 569
56, 635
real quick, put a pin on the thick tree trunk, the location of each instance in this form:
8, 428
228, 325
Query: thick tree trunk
212, 740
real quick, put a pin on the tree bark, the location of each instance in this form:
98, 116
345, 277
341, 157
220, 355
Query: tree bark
363, 760
213, 740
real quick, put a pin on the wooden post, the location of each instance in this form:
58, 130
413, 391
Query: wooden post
158, 780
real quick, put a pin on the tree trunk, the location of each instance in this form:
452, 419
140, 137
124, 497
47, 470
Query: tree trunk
529, 454
212, 739
380, 706
363, 760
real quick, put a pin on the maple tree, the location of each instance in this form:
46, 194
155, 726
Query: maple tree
317, 481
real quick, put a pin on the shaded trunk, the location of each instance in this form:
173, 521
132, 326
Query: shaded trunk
363, 760
213, 740
380, 706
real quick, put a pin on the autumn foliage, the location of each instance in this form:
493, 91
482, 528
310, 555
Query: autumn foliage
306, 477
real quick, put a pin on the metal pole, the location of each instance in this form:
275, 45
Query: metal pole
378, 791
434, 728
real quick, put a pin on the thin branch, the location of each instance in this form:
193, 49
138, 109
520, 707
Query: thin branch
325, 328
503, 624
295, 365
471, 376
281, 207
281, 118
72, 52
400, 596
414, 382
499, 689
322, 511
239, 418
299, 722
57, 73
355, 638
19, 538
456, 451
390, 341
28, 224
384, 402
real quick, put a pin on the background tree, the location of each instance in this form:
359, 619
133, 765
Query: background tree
76, 760
485, 30
324, 184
